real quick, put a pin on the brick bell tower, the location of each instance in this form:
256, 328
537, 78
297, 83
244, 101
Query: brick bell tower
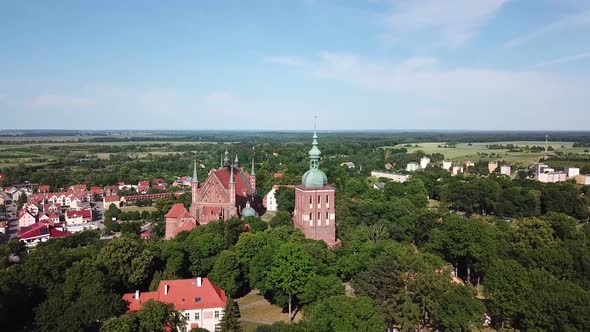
315, 210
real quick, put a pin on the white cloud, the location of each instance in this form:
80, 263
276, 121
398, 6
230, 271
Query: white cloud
504, 97
565, 59
575, 21
455, 21
51, 100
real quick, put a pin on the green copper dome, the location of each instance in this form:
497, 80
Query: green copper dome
248, 211
314, 178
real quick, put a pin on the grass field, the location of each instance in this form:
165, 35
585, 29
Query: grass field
138, 208
256, 310
464, 151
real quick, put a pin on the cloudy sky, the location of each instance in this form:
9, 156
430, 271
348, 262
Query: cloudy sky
358, 64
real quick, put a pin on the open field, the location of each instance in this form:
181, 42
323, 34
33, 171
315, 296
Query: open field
138, 208
464, 151
256, 310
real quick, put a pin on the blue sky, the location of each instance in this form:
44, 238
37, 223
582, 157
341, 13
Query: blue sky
358, 64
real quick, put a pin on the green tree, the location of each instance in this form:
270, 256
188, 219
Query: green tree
290, 271
346, 314
230, 322
152, 317
228, 274
281, 218
285, 197
127, 262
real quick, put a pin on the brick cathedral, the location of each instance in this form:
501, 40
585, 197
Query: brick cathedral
230, 191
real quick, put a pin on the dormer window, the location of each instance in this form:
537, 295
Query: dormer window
197, 299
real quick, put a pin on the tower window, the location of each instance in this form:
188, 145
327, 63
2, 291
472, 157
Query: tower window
310, 200
319, 218
319, 199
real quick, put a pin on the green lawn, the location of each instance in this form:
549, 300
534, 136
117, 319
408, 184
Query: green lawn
138, 208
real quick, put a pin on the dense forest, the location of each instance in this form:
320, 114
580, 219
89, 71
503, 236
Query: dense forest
434, 253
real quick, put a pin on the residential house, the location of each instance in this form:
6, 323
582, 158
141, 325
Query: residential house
40, 232
43, 189
96, 191
108, 200
78, 217
143, 187
25, 218
32, 207
111, 190
469, 164
270, 200
389, 166
52, 207
53, 217
199, 300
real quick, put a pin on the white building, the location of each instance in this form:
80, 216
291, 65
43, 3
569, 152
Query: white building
492, 166
424, 161
552, 176
270, 200
469, 164
200, 301
411, 167
348, 164
583, 179
572, 171
505, 170
447, 164
456, 170
401, 178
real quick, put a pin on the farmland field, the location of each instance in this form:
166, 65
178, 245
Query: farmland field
477, 151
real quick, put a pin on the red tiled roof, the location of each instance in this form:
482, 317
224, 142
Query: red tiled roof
111, 199
278, 175
243, 188
183, 294
53, 215
177, 210
35, 230
96, 190
144, 183
159, 180
43, 188
83, 213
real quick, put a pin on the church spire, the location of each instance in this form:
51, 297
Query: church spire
253, 168
236, 160
231, 175
195, 178
314, 153
226, 158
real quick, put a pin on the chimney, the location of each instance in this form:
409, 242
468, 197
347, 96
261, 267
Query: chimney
199, 281
137, 295
165, 289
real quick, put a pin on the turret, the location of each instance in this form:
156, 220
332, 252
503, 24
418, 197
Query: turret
232, 186
226, 161
195, 184
253, 175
